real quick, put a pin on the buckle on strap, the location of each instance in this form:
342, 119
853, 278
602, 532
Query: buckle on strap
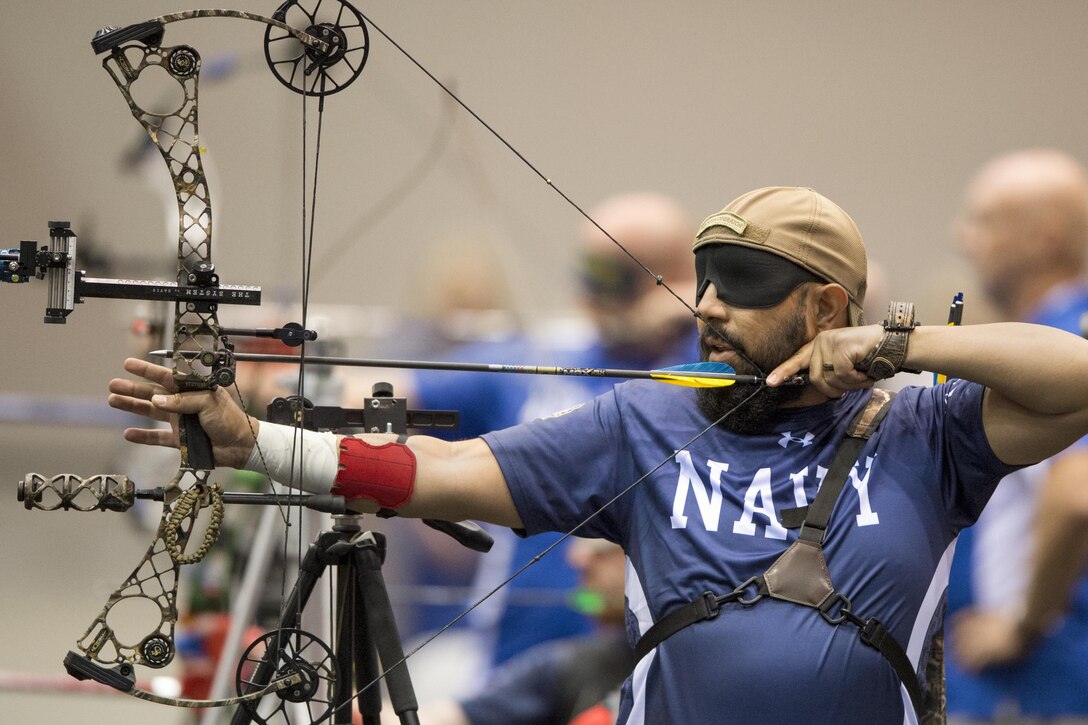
707, 605
811, 532
836, 610
873, 633
758, 583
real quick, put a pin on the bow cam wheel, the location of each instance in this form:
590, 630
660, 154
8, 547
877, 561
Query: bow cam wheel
309, 71
282, 653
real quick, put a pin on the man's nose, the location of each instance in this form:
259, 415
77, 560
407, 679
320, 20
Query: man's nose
710, 307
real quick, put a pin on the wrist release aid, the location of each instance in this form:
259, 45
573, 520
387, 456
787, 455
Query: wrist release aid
385, 473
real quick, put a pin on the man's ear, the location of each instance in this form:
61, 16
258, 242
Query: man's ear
828, 304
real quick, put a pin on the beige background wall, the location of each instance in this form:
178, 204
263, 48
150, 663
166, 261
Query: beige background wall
886, 107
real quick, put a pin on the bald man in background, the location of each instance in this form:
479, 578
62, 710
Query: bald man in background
1018, 594
630, 318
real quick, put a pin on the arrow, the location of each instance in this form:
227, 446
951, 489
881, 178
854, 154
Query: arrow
691, 375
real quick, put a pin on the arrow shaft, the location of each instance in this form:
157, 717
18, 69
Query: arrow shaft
476, 367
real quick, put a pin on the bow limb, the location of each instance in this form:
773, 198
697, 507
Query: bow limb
153, 583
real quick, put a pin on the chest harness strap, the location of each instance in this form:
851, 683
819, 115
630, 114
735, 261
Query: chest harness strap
800, 574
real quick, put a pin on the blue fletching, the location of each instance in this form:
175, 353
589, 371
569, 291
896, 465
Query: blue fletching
700, 367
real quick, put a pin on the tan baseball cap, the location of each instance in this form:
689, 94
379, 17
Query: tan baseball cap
799, 225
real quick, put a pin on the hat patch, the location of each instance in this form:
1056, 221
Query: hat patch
725, 219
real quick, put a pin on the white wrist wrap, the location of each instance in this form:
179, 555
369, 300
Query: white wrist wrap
283, 449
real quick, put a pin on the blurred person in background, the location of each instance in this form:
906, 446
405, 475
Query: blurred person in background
462, 296
461, 307
565, 680
1018, 594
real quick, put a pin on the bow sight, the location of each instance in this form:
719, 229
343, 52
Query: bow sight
198, 289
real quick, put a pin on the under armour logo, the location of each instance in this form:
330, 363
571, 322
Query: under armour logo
788, 437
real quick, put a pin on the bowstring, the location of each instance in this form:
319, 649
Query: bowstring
308, 232
659, 280
296, 467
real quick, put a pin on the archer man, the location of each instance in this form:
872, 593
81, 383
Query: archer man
750, 598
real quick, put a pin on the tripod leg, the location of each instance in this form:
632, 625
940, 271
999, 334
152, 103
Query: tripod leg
382, 628
366, 662
357, 658
344, 638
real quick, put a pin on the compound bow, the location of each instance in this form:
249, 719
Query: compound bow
315, 51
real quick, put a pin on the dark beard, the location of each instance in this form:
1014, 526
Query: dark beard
755, 415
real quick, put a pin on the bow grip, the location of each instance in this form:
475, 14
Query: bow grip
196, 447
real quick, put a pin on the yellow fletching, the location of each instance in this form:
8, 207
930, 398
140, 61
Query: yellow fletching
691, 381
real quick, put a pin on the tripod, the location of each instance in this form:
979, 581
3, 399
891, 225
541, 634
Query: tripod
367, 631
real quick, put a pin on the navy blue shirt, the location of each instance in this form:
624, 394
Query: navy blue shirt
708, 520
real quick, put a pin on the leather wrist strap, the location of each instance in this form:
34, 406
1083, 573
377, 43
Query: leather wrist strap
886, 359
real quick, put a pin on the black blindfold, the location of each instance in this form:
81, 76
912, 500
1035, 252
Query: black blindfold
746, 277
